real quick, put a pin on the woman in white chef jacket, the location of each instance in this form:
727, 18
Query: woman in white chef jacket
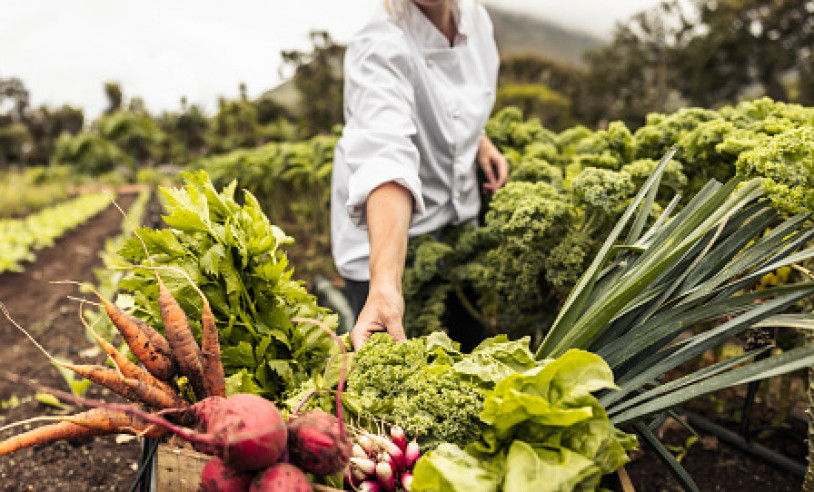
420, 81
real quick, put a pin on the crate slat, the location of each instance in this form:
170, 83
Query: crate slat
178, 469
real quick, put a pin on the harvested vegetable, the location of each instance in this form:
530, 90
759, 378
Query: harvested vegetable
316, 445
282, 477
94, 422
248, 432
149, 346
183, 346
113, 379
217, 477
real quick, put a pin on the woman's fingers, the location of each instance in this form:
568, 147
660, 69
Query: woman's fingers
502, 166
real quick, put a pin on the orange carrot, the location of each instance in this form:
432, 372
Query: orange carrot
148, 345
182, 343
127, 367
112, 379
94, 422
184, 348
46, 434
117, 421
105, 419
213, 374
214, 378
140, 391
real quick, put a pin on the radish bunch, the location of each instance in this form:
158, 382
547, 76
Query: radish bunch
381, 463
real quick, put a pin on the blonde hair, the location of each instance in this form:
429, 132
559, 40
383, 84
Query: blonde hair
396, 7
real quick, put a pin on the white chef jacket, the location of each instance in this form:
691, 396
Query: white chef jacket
415, 109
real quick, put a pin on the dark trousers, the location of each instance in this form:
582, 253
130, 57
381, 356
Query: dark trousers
356, 294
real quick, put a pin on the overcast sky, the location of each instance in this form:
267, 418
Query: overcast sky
160, 50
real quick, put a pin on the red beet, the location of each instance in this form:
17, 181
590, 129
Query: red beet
217, 477
197, 416
248, 431
282, 477
317, 443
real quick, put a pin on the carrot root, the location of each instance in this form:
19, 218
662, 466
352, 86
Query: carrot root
46, 434
125, 365
184, 348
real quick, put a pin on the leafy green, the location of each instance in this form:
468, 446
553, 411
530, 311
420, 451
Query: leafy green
448, 468
545, 431
236, 257
428, 386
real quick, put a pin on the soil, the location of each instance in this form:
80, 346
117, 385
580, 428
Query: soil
93, 464
111, 463
715, 465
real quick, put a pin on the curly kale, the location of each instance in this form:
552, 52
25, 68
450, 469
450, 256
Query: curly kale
602, 189
786, 162
401, 383
566, 190
533, 170
566, 262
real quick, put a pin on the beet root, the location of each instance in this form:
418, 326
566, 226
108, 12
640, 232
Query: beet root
282, 477
217, 477
248, 432
318, 444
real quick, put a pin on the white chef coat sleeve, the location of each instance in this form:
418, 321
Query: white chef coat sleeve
377, 140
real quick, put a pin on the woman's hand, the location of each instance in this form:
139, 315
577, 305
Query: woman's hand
388, 220
383, 311
493, 164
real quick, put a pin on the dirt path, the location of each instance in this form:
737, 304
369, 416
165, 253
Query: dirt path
42, 307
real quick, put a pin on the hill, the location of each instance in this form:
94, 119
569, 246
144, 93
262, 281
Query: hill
520, 33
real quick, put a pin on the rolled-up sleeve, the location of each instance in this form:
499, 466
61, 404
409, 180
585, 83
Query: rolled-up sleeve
377, 141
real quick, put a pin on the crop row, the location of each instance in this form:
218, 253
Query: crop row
19, 238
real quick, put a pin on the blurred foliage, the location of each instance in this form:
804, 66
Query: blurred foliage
536, 100
318, 79
565, 192
701, 53
24, 191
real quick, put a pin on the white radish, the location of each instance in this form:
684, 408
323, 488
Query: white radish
407, 482
358, 451
363, 468
350, 479
411, 454
385, 477
386, 445
367, 444
369, 486
398, 437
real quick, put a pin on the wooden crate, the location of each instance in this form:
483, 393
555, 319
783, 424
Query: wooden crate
178, 469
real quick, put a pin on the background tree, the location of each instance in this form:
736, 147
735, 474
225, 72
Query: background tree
235, 124
318, 79
701, 53
114, 97
630, 77
15, 140
45, 125
733, 45
191, 128
541, 87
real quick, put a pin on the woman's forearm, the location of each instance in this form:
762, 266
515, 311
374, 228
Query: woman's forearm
389, 208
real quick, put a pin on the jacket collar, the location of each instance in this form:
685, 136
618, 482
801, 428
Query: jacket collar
427, 35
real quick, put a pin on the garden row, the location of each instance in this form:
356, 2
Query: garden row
19, 238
